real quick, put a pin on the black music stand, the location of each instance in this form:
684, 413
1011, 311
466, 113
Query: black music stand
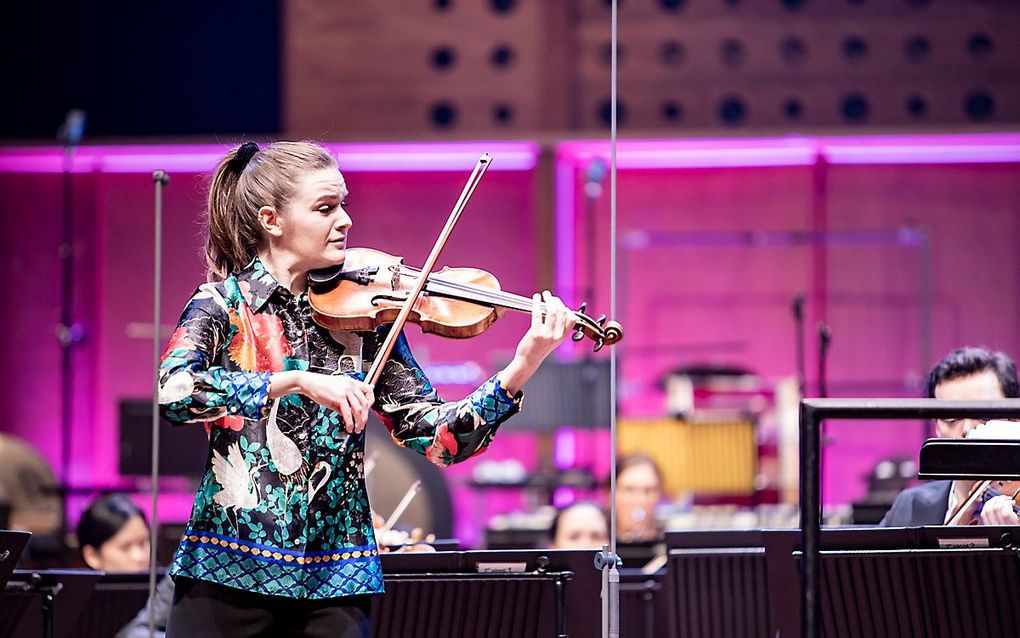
936, 582
12, 543
812, 413
575, 612
46, 603
717, 585
975, 459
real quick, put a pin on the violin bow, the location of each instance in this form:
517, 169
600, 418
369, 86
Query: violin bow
398, 325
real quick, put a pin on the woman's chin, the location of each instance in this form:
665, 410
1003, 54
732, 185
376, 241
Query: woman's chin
333, 256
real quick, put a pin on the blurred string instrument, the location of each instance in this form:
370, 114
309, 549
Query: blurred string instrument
372, 288
969, 511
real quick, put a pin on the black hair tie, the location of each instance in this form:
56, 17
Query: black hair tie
244, 154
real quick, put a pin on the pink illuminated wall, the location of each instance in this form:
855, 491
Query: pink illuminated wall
400, 198
703, 301
679, 305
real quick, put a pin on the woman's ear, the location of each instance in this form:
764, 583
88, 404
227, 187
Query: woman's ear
91, 556
269, 219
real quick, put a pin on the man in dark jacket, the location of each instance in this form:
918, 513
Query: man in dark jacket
966, 374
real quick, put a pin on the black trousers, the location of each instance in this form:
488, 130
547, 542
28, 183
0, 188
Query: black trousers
207, 610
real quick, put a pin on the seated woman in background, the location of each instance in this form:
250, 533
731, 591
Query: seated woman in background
639, 488
580, 525
113, 535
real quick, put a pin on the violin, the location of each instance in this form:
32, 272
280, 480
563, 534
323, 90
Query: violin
371, 287
968, 511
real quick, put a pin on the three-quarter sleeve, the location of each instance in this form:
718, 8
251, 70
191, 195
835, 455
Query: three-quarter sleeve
192, 386
445, 432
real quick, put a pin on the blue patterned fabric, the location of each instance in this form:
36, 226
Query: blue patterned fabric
268, 570
492, 402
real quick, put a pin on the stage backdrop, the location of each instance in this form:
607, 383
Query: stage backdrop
400, 198
717, 237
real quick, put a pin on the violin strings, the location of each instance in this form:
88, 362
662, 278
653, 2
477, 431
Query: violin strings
517, 302
499, 298
475, 293
471, 292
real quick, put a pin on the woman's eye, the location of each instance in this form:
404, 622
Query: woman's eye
325, 208
343, 204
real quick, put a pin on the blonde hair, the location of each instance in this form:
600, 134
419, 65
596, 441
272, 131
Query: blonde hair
247, 179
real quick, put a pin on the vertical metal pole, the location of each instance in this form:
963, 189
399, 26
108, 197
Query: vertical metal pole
926, 295
47, 605
611, 571
561, 617
161, 179
65, 331
810, 525
820, 237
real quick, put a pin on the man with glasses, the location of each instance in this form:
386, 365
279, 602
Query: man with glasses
965, 374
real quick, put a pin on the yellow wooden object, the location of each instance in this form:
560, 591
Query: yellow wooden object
704, 457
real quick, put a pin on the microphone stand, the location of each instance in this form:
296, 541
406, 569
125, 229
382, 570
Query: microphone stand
824, 341
68, 333
799, 339
592, 191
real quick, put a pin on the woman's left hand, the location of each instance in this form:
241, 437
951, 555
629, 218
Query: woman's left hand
548, 330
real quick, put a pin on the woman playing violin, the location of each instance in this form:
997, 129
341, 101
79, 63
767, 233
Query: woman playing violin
280, 537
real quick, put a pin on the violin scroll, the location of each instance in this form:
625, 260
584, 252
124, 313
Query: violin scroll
601, 331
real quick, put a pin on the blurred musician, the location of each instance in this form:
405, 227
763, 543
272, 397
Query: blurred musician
965, 374
639, 488
580, 525
113, 535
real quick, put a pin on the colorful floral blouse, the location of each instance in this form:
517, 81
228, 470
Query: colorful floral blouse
282, 507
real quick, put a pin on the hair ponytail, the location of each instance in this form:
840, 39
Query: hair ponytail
233, 232
245, 180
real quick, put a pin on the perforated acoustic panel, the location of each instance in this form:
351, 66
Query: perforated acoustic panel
511, 67
401, 67
795, 63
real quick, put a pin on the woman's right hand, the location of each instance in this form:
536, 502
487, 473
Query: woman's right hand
342, 393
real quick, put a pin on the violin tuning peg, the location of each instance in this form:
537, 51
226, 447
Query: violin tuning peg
582, 307
598, 345
601, 320
577, 336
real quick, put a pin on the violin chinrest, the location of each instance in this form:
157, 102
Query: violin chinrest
325, 277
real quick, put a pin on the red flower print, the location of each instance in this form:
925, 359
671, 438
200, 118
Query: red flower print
230, 422
259, 344
179, 339
446, 439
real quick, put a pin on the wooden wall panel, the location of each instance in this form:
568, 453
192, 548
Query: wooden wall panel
367, 70
911, 66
